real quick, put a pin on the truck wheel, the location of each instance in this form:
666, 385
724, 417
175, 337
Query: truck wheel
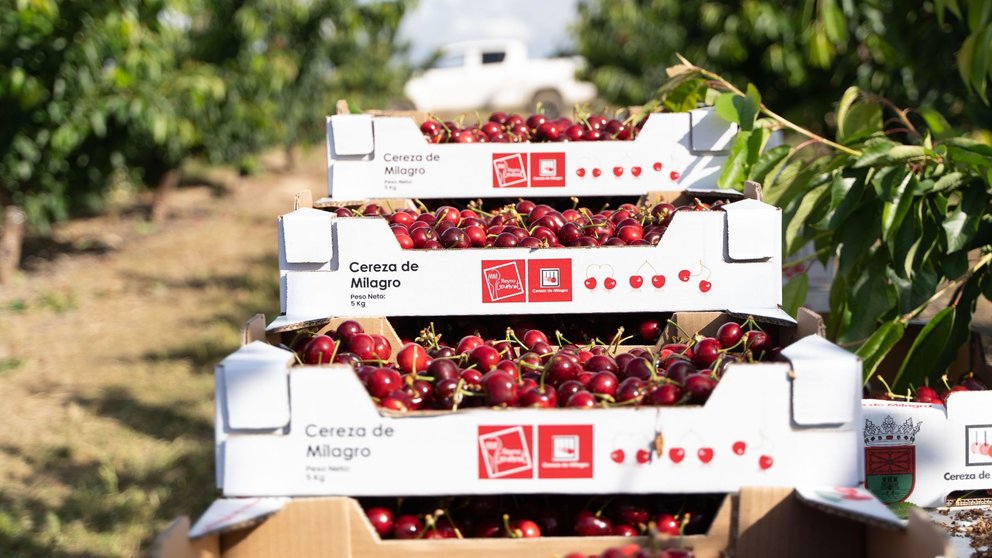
550, 102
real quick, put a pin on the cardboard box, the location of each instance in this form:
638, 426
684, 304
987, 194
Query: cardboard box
371, 157
706, 260
284, 430
921, 453
757, 522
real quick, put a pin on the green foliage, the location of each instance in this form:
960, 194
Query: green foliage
907, 216
799, 53
98, 89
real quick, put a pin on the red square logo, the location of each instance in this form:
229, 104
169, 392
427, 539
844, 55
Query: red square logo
549, 280
506, 452
509, 170
564, 451
547, 170
503, 281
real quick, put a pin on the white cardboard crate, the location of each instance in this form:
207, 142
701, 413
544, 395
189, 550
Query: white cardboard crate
370, 157
285, 430
333, 266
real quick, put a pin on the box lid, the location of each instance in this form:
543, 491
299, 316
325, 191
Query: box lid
818, 398
851, 502
307, 236
226, 514
351, 134
256, 387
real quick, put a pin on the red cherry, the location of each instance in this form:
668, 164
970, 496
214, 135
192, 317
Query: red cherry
636, 171
609, 283
656, 167
319, 350
581, 172
617, 456
674, 175
636, 281
412, 358
381, 519
729, 335
676, 455
407, 527
668, 524
684, 275
705, 454
524, 529
658, 281
596, 172
617, 171
705, 286
650, 330
765, 462
590, 283
739, 447
643, 456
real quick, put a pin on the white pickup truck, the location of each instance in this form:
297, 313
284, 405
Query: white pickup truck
497, 75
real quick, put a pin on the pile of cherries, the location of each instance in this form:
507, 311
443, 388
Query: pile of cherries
513, 128
531, 225
539, 515
525, 369
926, 394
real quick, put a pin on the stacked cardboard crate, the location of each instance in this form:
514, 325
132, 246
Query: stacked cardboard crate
286, 431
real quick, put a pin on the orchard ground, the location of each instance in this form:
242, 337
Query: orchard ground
107, 348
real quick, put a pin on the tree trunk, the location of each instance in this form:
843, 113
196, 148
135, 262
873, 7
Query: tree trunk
290, 154
166, 185
11, 240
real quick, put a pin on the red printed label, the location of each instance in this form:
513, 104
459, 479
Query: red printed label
503, 281
506, 452
549, 280
547, 170
509, 170
564, 451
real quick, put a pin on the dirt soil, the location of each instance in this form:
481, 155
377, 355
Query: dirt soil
107, 348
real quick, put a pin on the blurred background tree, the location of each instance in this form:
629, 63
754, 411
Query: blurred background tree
800, 53
103, 90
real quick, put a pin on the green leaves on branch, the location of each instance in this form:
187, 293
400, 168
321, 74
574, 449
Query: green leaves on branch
900, 201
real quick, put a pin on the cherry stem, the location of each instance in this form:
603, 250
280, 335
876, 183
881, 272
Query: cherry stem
334, 353
888, 390
682, 332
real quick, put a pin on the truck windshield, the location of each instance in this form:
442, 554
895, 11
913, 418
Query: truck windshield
450, 61
493, 57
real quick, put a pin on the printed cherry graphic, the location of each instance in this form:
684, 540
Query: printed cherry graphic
676, 455
739, 447
658, 281
590, 283
636, 171
656, 167
617, 456
674, 175
643, 456
684, 275
617, 171
705, 454
765, 462
609, 283
581, 172
705, 286
636, 281
596, 172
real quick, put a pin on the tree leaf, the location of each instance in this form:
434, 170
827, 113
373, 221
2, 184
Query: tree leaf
962, 225
900, 198
739, 109
735, 168
768, 164
847, 100
936, 123
896, 154
964, 59
794, 293
798, 219
949, 181
860, 121
834, 23
980, 58
873, 351
979, 12
923, 355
